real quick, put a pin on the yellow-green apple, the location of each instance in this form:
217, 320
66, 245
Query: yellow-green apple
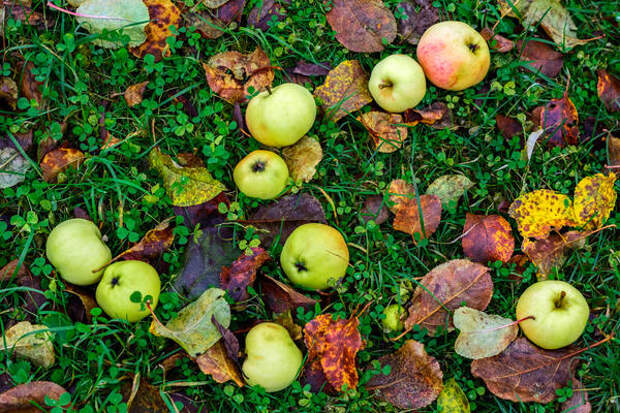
315, 256
281, 116
261, 174
393, 320
273, 359
75, 248
117, 292
397, 83
559, 311
454, 56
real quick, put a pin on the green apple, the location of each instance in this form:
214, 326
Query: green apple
281, 116
397, 83
75, 248
454, 56
560, 313
393, 320
315, 256
273, 360
261, 174
121, 280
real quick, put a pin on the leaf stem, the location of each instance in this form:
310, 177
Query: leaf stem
88, 16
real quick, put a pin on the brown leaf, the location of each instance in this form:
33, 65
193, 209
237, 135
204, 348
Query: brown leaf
204, 215
231, 11
86, 300
560, 120
335, 343
400, 192
311, 69
613, 148
382, 128
163, 14
133, 94
524, 372
608, 88
262, 13
345, 90
231, 74
208, 26
314, 376
8, 92
242, 273
444, 289
281, 297
578, 403
410, 216
415, 379
229, 339
437, 115
216, 363
374, 208
31, 88
548, 253
302, 158
413, 23
508, 126
285, 319
32, 301
540, 57
153, 244
362, 25
22, 11
487, 238
143, 397
497, 42
24, 397
59, 160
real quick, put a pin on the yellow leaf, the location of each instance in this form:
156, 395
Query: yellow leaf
452, 399
595, 198
302, 158
539, 212
30, 341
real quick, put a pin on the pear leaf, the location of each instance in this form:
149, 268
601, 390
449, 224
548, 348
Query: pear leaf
452, 399
30, 341
13, 167
482, 335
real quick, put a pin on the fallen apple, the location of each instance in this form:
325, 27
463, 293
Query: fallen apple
75, 248
453, 55
261, 174
397, 83
282, 115
273, 359
315, 256
559, 313
117, 291
393, 320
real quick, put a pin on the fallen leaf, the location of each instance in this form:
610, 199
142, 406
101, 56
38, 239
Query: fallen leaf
24, 397
383, 128
208, 26
608, 88
497, 42
86, 301
311, 69
487, 238
33, 296
163, 14
412, 22
481, 334
186, 186
400, 192
8, 92
133, 94
232, 74
13, 167
30, 87
362, 26
548, 253
216, 363
281, 297
229, 340
345, 90
449, 188
30, 341
58, 160
452, 398
613, 148
128, 17
22, 12
540, 57
508, 126
531, 142
302, 159
415, 378
263, 13
539, 212
578, 403
374, 209
193, 329
153, 244
422, 219
560, 120
335, 343
445, 288
242, 273
213, 4
285, 319
203, 215
437, 115
594, 199
143, 397
313, 375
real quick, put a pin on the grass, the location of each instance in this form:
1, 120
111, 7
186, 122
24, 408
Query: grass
96, 360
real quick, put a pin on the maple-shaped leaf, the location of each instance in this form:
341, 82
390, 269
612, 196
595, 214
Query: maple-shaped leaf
242, 273
539, 212
487, 238
594, 199
30, 341
449, 188
302, 159
216, 363
452, 398
384, 130
481, 334
24, 397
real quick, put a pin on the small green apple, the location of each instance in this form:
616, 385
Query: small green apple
393, 320
121, 280
273, 359
75, 248
397, 83
282, 116
315, 256
261, 174
560, 313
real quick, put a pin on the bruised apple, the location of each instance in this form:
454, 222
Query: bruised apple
261, 174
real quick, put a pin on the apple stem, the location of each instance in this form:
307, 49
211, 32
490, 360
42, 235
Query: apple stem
269, 89
385, 85
148, 305
558, 303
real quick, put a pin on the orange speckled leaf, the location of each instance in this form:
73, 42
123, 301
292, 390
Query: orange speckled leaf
335, 343
548, 253
400, 191
594, 200
163, 14
608, 88
382, 128
345, 90
410, 216
487, 238
154, 242
133, 94
560, 120
218, 365
56, 161
242, 273
539, 212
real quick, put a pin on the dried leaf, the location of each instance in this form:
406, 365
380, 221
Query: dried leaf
86, 301
128, 17
13, 167
452, 399
400, 192
437, 115
362, 25
413, 23
281, 297
314, 376
163, 14
548, 253
193, 329
153, 244
481, 334
22, 12
203, 215
263, 13
133, 94
594, 199
382, 128
33, 297
345, 90
213, 4
578, 403
311, 69
374, 208
444, 289
230, 11
608, 88
302, 158
8, 92
449, 188
411, 217
58, 160
497, 42
285, 319
30, 341
539, 212
230, 341
208, 26
143, 397
508, 126
560, 120
415, 379
24, 397
613, 148
487, 238
242, 273
216, 363
531, 142
540, 57
30, 87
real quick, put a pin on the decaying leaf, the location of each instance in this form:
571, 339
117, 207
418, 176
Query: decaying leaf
508, 126
281, 297
304, 68
578, 403
133, 94
548, 253
423, 218
285, 319
383, 128
86, 301
608, 88
193, 329
8, 92
400, 192
437, 115
163, 14
487, 238
186, 186
263, 13
33, 297
362, 25
540, 57
58, 160
208, 26
539, 212
496, 41
374, 208
345, 90
154, 242
242, 273
594, 199
216, 363
613, 148
302, 158
313, 375
444, 289
560, 120
203, 215
452, 398
13, 167
335, 343
22, 12
30, 341
141, 396
24, 397
231, 74
415, 379
30, 87
213, 4
449, 188
416, 17
481, 334
129, 17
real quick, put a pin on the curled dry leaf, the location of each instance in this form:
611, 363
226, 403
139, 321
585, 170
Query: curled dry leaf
383, 128
58, 160
540, 57
608, 88
163, 14
29, 341
487, 238
594, 199
231, 74
481, 334
242, 273
362, 25
263, 13
23, 397
449, 188
133, 94
444, 289
8, 92
374, 208
415, 17
216, 363
452, 398
208, 26
141, 396
229, 339
154, 243
437, 115
497, 42
313, 375
560, 120
281, 297
508, 126
423, 218
548, 253
539, 212
345, 90
415, 378
302, 159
